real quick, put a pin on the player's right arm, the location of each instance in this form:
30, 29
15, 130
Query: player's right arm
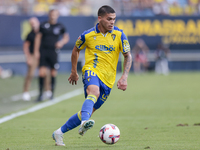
80, 44
73, 78
37, 43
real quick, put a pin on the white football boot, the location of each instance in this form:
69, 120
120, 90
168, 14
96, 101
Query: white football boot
47, 94
58, 139
88, 124
26, 96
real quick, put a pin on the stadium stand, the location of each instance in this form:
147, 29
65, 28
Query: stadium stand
85, 7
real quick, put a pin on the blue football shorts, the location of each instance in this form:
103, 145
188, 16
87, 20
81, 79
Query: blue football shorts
90, 78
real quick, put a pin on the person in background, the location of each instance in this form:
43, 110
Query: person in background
140, 51
31, 61
47, 46
161, 65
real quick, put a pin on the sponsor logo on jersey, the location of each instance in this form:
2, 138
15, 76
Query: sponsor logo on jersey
88, 79
105, 48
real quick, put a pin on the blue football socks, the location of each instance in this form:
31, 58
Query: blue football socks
82, 115
72, 122
87, 107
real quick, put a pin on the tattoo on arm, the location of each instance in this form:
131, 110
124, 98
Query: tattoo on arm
127, 63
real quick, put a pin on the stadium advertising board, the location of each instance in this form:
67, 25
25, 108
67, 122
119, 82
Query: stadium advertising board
179, 32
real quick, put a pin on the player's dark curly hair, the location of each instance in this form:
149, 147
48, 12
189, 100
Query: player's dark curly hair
105, 10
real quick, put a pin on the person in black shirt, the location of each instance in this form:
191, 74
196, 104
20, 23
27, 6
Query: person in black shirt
30, 59
47, 45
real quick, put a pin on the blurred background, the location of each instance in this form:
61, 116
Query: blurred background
172, 26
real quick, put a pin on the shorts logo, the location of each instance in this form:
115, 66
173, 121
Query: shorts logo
104, 97
88, 79
105, 49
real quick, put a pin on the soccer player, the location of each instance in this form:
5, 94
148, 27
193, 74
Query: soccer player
28, 48
103, 43
47, 45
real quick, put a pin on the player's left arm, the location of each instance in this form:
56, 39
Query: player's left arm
63, 41
122, 83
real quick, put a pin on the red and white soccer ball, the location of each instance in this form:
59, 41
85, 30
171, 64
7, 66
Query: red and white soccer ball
109, 134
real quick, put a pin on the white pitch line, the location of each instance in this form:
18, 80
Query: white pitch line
42, 105
46, 104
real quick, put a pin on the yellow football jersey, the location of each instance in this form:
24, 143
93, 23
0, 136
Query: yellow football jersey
102, 52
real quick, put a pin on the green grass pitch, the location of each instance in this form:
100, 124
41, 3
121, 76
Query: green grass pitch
147, 115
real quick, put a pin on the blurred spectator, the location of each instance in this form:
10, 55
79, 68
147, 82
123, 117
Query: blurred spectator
41, 8
140, 51
198, 7
161, 66
11, 8
191, 8
85, 9
63, 7
161, 7
183, 3
25, 7
144, 8
175, 8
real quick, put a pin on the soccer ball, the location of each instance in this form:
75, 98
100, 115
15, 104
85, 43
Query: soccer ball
109, 134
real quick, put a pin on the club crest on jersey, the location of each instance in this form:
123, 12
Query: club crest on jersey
95, 37
56, 30
113, 36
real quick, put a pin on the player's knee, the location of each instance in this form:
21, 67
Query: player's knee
42, 72
94, 91
53, 73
